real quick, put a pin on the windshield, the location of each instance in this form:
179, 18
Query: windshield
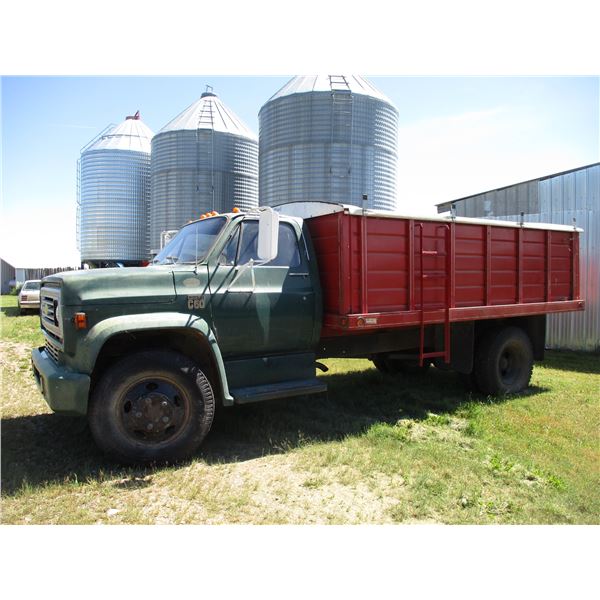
32, 285
192, 243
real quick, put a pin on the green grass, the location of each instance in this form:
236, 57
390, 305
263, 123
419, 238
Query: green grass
374, 449
20, 329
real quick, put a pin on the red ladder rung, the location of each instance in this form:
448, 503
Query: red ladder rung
434, 354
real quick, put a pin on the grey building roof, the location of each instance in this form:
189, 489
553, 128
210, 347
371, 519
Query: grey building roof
445, 206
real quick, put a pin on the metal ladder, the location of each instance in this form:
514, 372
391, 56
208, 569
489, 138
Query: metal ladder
78, 217
206, 117
445, 353
341, 132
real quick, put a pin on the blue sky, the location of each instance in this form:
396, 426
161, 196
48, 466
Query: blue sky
457, 136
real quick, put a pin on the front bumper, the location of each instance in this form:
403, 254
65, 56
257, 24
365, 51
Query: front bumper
29, 304
65, 392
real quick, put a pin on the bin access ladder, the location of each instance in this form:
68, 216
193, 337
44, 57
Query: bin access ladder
205, 153
340, 167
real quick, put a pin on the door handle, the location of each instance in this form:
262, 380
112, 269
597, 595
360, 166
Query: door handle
298, 274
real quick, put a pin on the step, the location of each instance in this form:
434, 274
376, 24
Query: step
258, 393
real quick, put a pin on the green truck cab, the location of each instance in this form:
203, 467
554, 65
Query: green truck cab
228, 313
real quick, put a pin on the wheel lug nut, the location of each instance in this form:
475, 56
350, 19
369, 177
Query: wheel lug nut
165, 419
150, 426
138, 414
164, 403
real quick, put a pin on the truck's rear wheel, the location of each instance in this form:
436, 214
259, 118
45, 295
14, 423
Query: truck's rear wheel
503, 361
151, 407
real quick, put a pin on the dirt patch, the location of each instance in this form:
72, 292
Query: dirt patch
263, 491
13, 355
20, 395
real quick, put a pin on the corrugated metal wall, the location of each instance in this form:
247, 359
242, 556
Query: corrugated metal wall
24, 274
557, 199
6, 276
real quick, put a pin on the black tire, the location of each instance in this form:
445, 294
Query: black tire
468, 381
503, 361
151, 407
380, 364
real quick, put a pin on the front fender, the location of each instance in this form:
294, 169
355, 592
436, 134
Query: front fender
90, 347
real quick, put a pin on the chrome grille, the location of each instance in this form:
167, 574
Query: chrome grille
52, 350
50, 312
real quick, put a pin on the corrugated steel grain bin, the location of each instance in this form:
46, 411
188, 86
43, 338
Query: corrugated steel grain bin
205, 159
114, 191
328, 138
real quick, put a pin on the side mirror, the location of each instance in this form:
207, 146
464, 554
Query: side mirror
268, 234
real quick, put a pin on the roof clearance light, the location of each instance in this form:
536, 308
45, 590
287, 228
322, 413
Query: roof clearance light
80, 320
235, 209
203, 216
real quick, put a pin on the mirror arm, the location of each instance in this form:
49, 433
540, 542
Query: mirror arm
242, 270
249, 265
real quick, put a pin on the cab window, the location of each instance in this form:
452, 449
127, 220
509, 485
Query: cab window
230, 251
244, 245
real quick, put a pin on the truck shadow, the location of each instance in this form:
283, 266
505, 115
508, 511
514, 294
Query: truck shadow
354, 403
10, 311
40, 450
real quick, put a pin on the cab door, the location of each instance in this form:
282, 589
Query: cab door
262, 310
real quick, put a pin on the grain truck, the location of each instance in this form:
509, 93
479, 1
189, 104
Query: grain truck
240, 307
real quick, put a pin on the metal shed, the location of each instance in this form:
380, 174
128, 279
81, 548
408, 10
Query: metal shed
7, 278
566, 198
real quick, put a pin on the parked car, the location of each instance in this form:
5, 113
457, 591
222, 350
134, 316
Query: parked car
29, 296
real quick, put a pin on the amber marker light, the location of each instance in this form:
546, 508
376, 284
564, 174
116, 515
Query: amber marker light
80, 320
235, 209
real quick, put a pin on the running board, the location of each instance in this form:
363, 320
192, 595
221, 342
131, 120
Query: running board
258, 393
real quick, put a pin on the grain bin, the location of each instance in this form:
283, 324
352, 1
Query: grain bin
113, 195
332, 138
204, 159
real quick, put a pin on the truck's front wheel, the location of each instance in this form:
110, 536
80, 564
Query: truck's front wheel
151, 407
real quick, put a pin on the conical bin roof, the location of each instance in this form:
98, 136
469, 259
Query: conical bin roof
356, 84
209, 112
132, 134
